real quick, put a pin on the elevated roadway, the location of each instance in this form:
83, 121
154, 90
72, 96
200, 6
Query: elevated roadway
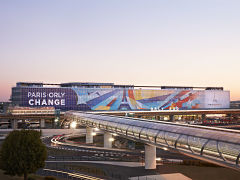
41, 117
47, 132
28, 116
170, 112
123, 113
215, 145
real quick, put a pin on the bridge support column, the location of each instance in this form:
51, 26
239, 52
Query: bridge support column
107, 140
229, 116
171, 118
14, 124
150, 157
53, 123
89, 135
42, 123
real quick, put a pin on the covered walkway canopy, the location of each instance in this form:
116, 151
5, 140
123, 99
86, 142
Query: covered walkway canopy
219, 146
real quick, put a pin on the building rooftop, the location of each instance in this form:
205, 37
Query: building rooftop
109, 85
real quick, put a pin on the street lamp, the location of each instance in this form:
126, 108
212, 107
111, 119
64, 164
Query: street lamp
142, 152
111, 139
73, 125
94, 133
165, 149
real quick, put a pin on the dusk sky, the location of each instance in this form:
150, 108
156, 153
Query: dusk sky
161, 42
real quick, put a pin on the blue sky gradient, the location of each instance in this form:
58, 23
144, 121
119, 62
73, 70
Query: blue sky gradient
192, 43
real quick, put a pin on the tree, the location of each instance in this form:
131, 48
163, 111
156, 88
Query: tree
22, 152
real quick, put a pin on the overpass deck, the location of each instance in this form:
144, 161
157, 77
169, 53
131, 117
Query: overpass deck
170, 112
28, 116
123, 113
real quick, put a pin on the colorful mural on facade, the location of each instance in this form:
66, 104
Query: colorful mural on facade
137, 99
85, 99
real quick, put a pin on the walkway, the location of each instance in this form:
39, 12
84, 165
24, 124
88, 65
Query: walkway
215, 145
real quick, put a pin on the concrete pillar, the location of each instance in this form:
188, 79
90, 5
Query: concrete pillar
107, 140
150, 157
14, 124
42, 123
53, 124
229, 116
89, 135
171, 118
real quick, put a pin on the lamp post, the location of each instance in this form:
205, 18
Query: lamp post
73, 125
142, 153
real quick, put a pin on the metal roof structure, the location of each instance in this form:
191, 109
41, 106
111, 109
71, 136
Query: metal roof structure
96, 84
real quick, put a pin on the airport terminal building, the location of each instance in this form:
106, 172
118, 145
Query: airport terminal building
108, 96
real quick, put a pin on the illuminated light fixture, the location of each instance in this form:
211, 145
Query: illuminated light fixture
96, 129
165, 149
111, 139
114, 134
73, 124
56, 120
158, 159
94, 134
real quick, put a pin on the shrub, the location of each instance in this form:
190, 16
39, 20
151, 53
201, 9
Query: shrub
22, 153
